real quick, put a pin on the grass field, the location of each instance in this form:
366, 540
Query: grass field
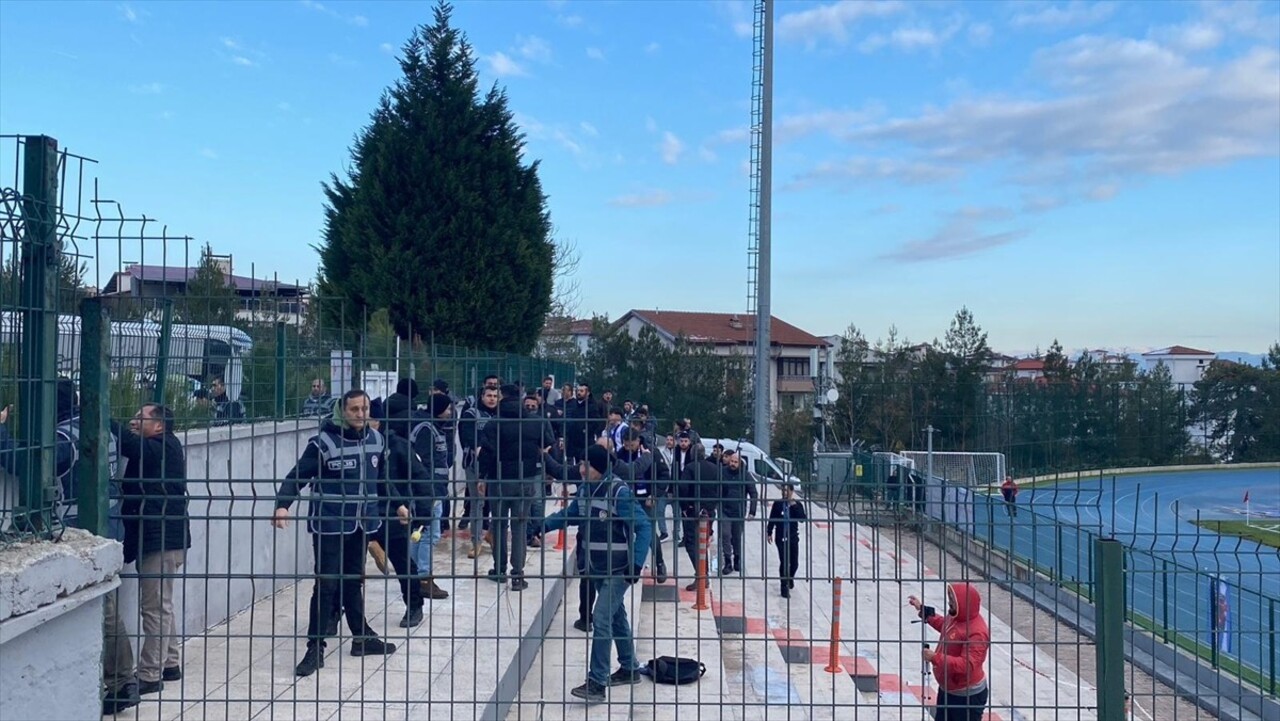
1265, 532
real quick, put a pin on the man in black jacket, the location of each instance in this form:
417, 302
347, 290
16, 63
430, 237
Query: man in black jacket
783, 532
477, 509
157, 534
736, 487
699, 499
583, 422
516, 441
647, 474
345, 464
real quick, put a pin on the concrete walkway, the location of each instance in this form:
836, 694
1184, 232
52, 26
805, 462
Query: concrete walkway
489, 653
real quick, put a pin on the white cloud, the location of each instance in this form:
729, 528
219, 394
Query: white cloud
789, 128
707, 155
147, 89
961, 235
862, 169
208, 153
652, 48
242, 61
1054, 17
910, 38
1126, 107
739, 15
589, 129
387, 48
670, 148
230, 44
1190, 37
533, 48
570, 21
359, 21
980, 33
129, 13
646, 199
650, 125
503, 65
833, 20
595, 53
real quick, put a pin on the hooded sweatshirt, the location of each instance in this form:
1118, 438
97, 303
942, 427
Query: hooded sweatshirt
962, 648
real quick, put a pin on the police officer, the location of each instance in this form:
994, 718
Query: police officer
616, 537
783, 532
344, 464
648, 477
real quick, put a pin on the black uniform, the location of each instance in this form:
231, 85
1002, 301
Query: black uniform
699, 497
516, 441
784, 529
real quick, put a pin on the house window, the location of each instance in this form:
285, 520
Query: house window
793, 367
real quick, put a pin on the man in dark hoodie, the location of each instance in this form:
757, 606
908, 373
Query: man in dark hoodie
477, 510
583, 422
157, 534
517, 441
345, 464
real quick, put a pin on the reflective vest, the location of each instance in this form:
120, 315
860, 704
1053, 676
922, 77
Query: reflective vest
607, 537
68, 432
345, 496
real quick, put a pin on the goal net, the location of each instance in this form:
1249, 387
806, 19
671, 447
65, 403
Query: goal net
969, 469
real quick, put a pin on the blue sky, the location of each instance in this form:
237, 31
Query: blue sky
1103, 173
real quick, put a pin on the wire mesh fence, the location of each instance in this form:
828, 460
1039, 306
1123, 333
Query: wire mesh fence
315, 527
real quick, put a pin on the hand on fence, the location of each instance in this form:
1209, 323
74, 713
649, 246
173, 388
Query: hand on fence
281, 518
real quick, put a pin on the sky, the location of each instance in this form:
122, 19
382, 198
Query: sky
1106, 174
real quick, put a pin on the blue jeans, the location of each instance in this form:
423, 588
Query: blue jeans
662, 502
610, 626
430, 537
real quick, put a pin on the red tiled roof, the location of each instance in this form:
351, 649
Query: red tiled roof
723, 328
1029, 364
580, 327
1178, 350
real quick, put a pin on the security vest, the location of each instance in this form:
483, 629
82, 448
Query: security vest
68, 432
345, 496
607, 537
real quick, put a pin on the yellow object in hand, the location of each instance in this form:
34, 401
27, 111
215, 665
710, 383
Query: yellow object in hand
417, 535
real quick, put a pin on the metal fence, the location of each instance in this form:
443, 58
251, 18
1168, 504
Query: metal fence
1197, 592
225, 595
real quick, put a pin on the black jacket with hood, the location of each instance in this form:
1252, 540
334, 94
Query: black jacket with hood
516, 440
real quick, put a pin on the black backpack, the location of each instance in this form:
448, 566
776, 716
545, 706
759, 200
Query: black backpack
676, 670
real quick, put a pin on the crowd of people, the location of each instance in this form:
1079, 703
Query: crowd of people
381, 479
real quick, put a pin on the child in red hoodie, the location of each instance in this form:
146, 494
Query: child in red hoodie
961, 654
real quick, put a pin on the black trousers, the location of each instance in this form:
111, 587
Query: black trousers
731, 530
960, 708
651, 505
339, 587
395, 541
689, 538
788, 561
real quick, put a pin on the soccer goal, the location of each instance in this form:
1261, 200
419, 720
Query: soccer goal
970, 469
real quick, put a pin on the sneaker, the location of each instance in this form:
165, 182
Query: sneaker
591, 692
497, 576
120, 699
314, 659
582, 625
519, 584
662, 573
663, 536
172, 673
692, 587
412, 618
149, 687
623, 677
373, 646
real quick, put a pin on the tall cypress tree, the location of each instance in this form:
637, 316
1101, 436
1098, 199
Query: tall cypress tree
440, 222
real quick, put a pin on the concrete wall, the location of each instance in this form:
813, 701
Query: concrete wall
51, 626
236, 557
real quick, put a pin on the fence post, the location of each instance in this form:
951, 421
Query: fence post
37, 390
280, 370
95, 416
162, 356
1109, 634
1272, 635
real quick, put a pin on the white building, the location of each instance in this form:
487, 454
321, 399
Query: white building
1186, 365
730, 334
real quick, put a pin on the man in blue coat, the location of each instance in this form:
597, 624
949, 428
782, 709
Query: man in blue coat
616, 535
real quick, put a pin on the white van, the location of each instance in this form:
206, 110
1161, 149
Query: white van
762, 466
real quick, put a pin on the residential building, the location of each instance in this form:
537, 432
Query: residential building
796, 355
1186, 365
561, 333
260, 300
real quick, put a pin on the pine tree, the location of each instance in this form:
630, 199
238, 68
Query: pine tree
209, 298
440, 222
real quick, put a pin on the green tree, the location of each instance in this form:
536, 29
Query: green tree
1237, 404
209, 298
69, 282
438, 186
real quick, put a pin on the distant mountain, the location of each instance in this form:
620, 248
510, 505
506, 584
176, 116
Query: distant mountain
1253, 359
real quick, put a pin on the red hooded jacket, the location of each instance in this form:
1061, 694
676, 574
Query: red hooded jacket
962, 650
